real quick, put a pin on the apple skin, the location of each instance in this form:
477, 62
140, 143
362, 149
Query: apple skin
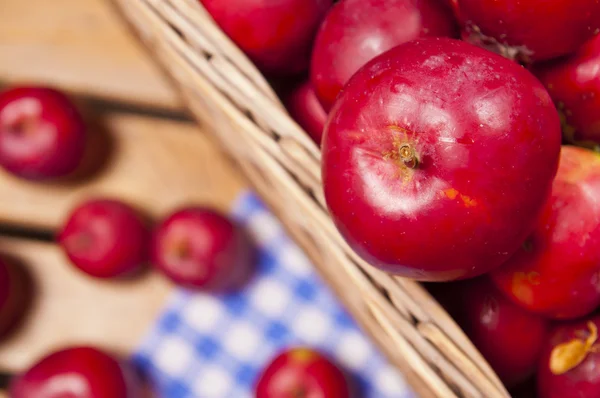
276, 34
77, 372
42, 134
557, 271
304, 107
301, 373
582, 380
509, 337
486, 139
574, 85
531, 30
356, 31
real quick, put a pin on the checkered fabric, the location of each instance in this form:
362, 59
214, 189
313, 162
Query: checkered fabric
215, 347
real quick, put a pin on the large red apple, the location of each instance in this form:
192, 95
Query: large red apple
570, 361
509, 337
531, 30
574, 85
557, 271
437, 159
301, 373
304, 107
276, 34
356, 31
77, 372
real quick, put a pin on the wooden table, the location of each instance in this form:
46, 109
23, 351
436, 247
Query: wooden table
152, 156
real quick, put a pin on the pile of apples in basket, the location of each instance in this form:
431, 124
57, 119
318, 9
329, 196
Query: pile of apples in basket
459, 144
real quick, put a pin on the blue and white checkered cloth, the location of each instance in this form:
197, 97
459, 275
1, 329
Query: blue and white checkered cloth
207, 346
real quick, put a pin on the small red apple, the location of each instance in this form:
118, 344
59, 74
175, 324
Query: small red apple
13, 296
304, 107
77, 372
531, 30
437, 159
276, 34
42, 135
356, 31
574, 85
302, 373
557, 271
200, 248
570, 361
105, 238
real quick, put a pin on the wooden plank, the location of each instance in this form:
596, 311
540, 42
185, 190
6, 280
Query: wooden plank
71, 308
82, 46
154, 163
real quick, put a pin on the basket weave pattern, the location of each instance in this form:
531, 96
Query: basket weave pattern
225, 92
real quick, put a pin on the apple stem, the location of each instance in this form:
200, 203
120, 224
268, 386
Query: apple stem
408, 156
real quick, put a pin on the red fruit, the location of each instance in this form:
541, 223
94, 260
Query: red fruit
13, 297
438, 157
42, 135
509, 337
301, 372
570, 361
531, 30
356, 31
78, 372
105, 238
304, 107
276, 34
574, 85
557, 271
200, 248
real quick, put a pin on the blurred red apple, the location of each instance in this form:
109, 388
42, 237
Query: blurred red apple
509, 337
301, 373
77, 372
574, 85
105, 238
570, 361
557, 271
276, 34
438, 157
356, 31
531, 30
304, 107
201, 248
42, 135
14, 296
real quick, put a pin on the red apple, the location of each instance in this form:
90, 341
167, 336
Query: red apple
356, 31
14, 291
301, 373
77, 372
304, 107
557, 271
105, 238
570, 361
200, 248
276, 34
42, 135
531, 30
509, 337
574, 85
437, 159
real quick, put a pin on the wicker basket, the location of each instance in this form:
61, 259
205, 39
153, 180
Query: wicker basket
224, 90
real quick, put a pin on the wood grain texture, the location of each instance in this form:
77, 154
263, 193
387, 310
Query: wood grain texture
82, 46
71, 308
153, 163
